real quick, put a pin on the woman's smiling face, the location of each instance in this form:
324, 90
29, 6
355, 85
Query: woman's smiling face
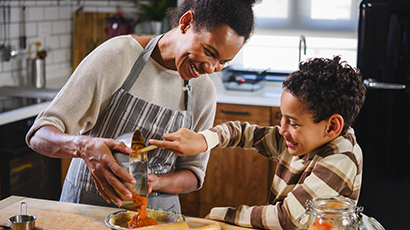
302, 135
206, 52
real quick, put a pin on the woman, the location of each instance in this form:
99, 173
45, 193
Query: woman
113, 92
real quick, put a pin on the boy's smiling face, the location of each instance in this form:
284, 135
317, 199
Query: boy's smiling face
302, 135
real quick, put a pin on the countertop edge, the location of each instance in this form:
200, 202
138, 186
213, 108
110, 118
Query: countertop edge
22, 113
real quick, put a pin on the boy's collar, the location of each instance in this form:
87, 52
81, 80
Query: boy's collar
308, 156
323, 151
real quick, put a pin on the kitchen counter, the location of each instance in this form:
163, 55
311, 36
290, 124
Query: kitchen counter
32, 110
22, 113
269, 95
61, 215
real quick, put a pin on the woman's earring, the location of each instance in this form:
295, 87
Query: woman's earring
182, 31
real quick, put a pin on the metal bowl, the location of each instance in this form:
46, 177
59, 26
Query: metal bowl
119, 220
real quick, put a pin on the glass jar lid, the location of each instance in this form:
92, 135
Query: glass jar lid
332, 205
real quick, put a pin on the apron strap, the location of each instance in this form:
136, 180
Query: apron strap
140, 63
188, 95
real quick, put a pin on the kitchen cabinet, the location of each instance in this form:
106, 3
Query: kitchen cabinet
234, 176
88, 33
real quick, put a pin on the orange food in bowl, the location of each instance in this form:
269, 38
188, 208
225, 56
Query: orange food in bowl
141, 219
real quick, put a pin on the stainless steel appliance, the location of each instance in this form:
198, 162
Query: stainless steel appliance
244, 79
383, 125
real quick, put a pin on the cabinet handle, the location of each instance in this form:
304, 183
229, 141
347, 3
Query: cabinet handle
373, 84
277, 115
234, 112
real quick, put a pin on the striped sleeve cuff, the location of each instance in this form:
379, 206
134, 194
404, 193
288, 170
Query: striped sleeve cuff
211, 139
218, 214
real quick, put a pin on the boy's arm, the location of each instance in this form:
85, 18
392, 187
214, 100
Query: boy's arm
185, 142
259, 217
333, 175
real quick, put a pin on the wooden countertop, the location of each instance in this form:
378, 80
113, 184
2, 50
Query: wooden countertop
60, 215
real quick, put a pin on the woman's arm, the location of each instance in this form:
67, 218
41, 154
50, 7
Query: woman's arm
185, 180
96, 153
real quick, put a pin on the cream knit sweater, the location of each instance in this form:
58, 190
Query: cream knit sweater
77, 106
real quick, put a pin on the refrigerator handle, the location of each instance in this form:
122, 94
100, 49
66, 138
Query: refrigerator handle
371, 83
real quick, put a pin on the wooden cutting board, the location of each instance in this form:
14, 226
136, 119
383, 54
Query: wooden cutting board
67, 216
88, 33
59, 215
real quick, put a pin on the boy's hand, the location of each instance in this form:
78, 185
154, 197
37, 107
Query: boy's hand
183, 142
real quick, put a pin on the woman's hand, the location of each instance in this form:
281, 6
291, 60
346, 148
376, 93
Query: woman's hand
175, 182
97, 154
153, 182
183, 142
106, 172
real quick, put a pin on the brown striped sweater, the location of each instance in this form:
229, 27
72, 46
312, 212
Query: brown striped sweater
331, 170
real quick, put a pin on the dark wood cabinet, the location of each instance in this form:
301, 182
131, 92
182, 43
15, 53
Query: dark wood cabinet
234, 176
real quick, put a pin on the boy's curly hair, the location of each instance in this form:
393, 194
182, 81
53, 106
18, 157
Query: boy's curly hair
327, 87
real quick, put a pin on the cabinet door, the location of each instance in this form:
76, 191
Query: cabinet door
236, 176
275, 116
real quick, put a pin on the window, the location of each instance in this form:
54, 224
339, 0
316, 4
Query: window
328, 26
311, 15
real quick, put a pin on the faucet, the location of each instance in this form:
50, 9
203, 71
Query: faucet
302, 39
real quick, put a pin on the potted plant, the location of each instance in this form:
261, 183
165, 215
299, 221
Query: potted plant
153, 12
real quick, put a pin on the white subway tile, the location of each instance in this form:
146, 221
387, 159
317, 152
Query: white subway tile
62, 55
50, 23
44, 28
51, 13
65, 12
61, 27
65, 40
46, 3
31, 29
35, 14
15, 14
13, 30
52, 42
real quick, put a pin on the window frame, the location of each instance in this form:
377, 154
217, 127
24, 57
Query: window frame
299, 20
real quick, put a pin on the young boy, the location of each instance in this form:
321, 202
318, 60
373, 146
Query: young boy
315, 147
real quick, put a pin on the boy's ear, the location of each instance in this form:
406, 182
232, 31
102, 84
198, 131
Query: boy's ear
335, 125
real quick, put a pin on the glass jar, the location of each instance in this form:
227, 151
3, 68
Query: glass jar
331, 213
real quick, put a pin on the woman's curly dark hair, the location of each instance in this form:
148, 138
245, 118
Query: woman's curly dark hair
211, 14
327, 87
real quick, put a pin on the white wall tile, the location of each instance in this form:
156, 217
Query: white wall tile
31, 29
44, 28
48, 22
51, 13
62, 55
65, 40
35, 14
65, 12
61, 26
53, 42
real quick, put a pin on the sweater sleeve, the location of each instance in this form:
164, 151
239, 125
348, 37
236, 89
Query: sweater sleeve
264, 140
87, 92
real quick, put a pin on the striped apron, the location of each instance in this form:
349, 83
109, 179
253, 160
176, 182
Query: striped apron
126, 113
